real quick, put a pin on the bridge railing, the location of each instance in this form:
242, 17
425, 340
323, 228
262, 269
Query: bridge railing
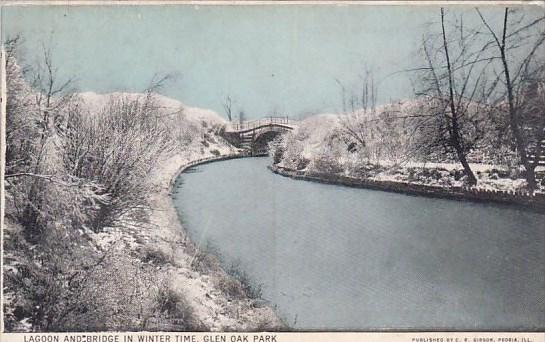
272, 120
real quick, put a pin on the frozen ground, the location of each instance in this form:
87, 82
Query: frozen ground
203, 287
319, 144
216, 300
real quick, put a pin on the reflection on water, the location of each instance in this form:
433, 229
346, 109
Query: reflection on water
332, 257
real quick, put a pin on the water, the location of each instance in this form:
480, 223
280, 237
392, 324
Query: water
338, 258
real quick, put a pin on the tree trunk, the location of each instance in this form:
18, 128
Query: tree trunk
514, 120
471, 179
454, 129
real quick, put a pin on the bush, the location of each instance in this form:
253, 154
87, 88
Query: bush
277, 155
251, 289
117, 148
327, 163
457, 174
205, 258
67, 171
156, 256
173, 312
230, 287
203, 262
289, 150
276, 149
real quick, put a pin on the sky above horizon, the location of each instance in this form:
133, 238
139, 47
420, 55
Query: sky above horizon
275, 58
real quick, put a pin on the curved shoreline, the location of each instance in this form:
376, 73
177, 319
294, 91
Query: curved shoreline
196, 274
220, 312
201, 161
520, 200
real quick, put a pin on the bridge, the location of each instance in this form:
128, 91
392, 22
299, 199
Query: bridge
254, 135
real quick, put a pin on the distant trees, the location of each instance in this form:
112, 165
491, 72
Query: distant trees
227, 106
241, 116
375, 134
356, 124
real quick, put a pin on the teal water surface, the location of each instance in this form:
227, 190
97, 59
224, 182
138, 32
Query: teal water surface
337, 258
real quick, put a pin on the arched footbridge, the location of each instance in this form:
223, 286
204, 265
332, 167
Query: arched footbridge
254, 136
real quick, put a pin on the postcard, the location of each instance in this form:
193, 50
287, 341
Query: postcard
257, 171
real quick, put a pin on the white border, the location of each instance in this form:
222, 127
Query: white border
232, 337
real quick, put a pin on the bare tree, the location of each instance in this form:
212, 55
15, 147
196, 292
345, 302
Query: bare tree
343, 94
241, 117
453, 81
528, 36
356, 125
227, 106
454, 129
376, 134
160, 80
368, 91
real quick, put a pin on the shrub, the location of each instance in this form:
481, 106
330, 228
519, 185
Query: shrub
203, 262
116, 148
277, 155
157, 256
327, 163
67, 171
230, 287
173, 311
277, 149
251, 289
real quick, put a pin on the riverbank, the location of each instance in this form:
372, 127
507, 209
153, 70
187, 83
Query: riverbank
346, 258
116, 259
216, 298
535, 202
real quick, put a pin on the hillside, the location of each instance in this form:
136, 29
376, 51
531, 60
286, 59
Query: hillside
91, 239
398, 142
95, 102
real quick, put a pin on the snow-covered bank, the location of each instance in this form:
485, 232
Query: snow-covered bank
214, 295
216, 300
534, 202
374, 150
99, 233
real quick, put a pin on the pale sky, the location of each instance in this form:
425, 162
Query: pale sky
275, 57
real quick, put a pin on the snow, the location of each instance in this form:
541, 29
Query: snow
320, 141
201, 289
314, 131
95, 102
483, 173
476, 167
210, 305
